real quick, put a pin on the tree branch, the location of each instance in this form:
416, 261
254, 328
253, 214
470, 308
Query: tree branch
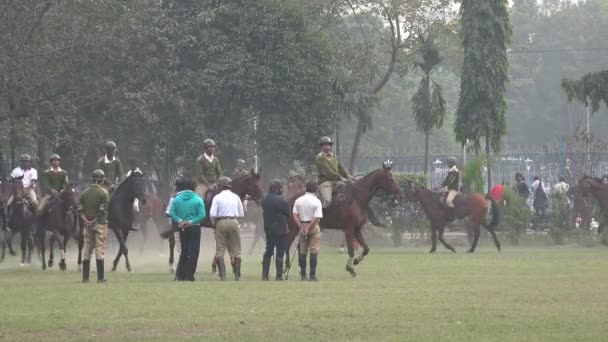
395, 43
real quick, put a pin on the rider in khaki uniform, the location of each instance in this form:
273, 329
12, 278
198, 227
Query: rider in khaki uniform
53, 181
225, 211
208, 169
450, 184
111, 166
94, 203
330, 171
240, 169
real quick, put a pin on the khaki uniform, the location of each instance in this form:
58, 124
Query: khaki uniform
228, 236
330, 172
207, 174
310, 242
51, 180
113, 171
94, 203
451, 185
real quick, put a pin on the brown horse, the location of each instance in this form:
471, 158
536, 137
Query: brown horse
20, 220
599, 190
582, 207
61, 221
349, 215
472, 207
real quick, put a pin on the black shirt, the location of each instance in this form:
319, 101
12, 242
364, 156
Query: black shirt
276, 214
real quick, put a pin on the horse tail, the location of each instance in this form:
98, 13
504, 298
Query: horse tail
493, 211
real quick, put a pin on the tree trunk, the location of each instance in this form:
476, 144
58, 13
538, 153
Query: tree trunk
356, 147
488, 156
426, 154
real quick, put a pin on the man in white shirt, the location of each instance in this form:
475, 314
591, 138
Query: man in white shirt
225, 211
307, 211
29, 178
561, 188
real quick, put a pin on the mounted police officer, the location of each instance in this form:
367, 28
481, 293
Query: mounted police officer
330, 170
93, 208
208, 169
111, 166
53, 181
450, 186
29, 178
226, 209
240, 170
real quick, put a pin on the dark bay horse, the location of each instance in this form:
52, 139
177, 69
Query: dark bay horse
582, 207
120, 212
20, 220
349, 215
61, 221
599, 190
472, 207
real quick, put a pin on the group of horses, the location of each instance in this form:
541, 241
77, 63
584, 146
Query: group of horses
348, 213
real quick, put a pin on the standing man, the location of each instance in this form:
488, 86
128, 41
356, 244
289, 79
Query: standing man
561, 188
521, 187
53, 181
276, 215
330, 170
240, 170
29, 178
208, 169
307, 211
111, 166
225, 211
93, 209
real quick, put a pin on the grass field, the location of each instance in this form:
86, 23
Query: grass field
522, 294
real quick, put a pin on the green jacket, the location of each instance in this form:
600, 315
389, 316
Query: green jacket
330, 168
94, 204
208, 172
113, 170
53, 180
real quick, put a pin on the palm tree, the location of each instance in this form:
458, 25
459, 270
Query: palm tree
428, 104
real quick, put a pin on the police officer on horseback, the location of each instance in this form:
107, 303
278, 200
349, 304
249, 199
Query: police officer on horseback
450, 186
93, 209
53, 181
331, 171
111, 166
29, 177
208, 169
240, 170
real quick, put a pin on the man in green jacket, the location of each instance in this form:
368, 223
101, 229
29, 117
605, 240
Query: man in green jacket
111, 166
208, 169
53, 181
93, 209
330, 171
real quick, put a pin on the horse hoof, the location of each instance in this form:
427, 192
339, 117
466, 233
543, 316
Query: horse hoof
113, 269
12, 253
432, 251
470, 251
50, 264
172, 269
21, 264
356, 262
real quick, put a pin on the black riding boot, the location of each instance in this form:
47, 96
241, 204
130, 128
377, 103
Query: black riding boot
221, 269
86, 268
100, 271
279, 265
265, 267
302, 262
313, 267
236, 268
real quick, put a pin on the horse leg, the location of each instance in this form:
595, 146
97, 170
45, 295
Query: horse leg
348, 234
125, 251
80, 246
30, 246
476, 232
171, 253
494, 237
445, 244
363, 244
24, 241
62, 248
433, 239
121, 243
51, 249
42, 247
9, 242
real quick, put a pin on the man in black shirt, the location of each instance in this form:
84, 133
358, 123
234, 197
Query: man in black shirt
521, 187
276, 214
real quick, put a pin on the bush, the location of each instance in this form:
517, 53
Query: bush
517, 214
472, 178
559, 218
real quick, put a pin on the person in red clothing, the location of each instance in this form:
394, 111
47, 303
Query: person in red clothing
497, 193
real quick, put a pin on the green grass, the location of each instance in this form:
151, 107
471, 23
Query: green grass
523, 294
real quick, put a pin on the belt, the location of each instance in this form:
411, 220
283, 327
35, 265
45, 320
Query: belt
226, 218
305, 221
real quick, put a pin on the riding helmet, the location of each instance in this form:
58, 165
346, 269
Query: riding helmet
452, 160
98, 174
54, 156
110, 144
325, 140
208, 143
25, 157
225, 182
240, 162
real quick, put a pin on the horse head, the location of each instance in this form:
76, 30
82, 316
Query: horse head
135, 185
249, 185
16, 188
387, 181
68, 196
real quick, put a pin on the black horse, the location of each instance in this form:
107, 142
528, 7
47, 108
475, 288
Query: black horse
20, 220
120, 214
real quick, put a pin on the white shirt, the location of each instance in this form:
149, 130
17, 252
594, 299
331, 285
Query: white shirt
209, 158
28, 175
308, 207
226, 204
534, 185
561, 188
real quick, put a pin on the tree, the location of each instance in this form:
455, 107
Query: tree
428, 104
591, 89
486, 34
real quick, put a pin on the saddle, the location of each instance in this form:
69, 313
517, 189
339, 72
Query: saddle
342, 192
